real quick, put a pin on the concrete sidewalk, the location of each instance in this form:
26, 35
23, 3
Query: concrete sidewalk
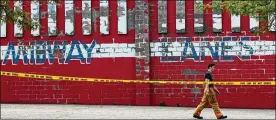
51, 111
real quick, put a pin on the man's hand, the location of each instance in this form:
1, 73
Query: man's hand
207, 92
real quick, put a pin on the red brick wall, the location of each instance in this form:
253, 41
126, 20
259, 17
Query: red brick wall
31, 90
231, 96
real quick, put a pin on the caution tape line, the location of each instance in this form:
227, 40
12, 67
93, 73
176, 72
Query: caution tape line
60, 78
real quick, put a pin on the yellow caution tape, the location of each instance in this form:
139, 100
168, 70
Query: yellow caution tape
59, 78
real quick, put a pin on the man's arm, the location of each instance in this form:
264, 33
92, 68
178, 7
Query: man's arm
216, 90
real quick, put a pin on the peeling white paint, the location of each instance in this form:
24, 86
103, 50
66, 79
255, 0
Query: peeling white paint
235, 22
18, 32
35, 16
272, 21
122, 17
86, 17
69, 17
254, 23
104, 19
52, 17
180, 16
3, 26
105, 51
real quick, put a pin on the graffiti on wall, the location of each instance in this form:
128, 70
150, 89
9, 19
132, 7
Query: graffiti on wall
37, 52
179, 50
220, 48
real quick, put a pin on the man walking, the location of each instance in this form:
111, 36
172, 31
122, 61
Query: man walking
209, 96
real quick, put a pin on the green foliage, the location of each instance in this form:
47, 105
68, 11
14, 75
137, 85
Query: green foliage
259, 9
20, 17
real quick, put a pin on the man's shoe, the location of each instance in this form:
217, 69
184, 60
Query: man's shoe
197, 116
222, 117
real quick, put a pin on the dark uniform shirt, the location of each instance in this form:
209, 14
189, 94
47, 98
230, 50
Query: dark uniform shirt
208, 75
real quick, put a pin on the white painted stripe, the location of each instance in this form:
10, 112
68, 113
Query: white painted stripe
217, 22
180, 16
235, 23
86, 17
3, 25
198, 17
272, 22
104, 19
162, 16
18, 31
35, 16
69, 17
52, 18
122, 16
254, 24
217, 19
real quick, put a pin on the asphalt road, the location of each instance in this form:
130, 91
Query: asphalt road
52, 111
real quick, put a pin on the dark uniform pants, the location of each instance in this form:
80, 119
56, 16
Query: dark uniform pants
209, 99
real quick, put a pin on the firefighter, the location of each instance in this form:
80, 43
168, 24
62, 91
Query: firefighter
209, 96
